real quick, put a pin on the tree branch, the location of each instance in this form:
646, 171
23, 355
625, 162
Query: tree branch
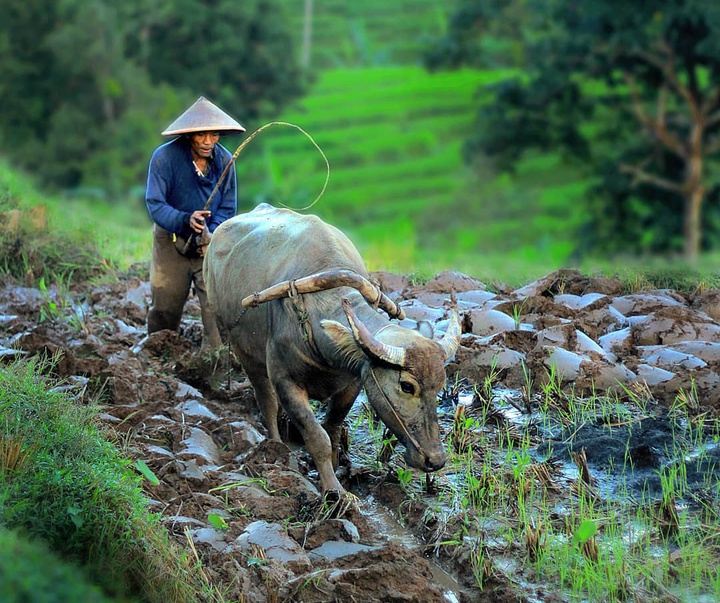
711, 108
655, 127
661, 103
668, 69
641, 176
711, 103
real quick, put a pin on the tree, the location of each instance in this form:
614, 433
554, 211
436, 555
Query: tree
644, 76
87, 84
239, 54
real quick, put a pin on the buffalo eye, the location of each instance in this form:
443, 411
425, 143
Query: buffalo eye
407, 387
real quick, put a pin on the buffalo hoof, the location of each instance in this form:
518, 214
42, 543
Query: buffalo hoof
336, 504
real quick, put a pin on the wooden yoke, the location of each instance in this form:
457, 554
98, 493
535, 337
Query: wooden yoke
328, 280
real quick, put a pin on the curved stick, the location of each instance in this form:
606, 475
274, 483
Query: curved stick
328, 280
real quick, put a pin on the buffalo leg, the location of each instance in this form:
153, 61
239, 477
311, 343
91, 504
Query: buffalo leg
266, 397
338, 408
295, 402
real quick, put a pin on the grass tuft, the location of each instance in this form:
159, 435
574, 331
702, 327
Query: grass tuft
35, 245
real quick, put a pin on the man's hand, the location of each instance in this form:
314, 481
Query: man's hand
203, 241
197, 220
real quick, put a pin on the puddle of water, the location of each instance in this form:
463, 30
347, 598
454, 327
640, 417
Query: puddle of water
707, 448
684, 595
389, 525
466, 399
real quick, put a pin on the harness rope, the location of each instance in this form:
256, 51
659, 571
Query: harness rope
303, 316
253, 135
411, 439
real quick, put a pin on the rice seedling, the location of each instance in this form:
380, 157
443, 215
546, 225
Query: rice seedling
517, 312
580, 459
687, 400
527, 388
461, 436
535, 541
482, 396
481, 565
553, 397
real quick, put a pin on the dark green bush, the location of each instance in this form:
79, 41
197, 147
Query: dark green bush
31, 573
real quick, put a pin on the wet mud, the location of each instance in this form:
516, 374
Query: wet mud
252, 508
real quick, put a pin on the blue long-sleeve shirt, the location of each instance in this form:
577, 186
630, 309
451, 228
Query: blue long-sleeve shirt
175, 190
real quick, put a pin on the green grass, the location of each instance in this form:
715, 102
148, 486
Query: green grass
63, 483
56, 239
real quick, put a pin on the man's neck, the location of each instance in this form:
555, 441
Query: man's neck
202, 164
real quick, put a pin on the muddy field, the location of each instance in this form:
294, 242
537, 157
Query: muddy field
251, 509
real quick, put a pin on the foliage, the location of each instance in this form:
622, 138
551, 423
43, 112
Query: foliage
502, 43
69, 487
240, 54
87, 85
631, 91
29, 571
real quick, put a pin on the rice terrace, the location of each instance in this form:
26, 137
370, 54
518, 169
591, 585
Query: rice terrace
543, 230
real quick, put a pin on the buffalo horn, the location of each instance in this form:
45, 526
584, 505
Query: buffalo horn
388, 353
451, 340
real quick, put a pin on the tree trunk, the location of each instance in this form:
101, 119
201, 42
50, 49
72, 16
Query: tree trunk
694, 191
307, 35
692, 226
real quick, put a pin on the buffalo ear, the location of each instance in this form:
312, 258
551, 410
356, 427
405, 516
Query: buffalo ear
344, 340
425, 328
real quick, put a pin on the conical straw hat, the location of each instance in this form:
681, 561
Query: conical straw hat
203, 116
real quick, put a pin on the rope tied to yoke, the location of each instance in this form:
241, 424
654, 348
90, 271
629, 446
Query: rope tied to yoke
302, 314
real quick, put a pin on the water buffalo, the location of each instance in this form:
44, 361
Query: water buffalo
324, 345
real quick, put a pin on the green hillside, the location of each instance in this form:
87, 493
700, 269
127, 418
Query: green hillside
398, 183
368, 33
392, 136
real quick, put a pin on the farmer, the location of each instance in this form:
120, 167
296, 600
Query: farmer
181, 178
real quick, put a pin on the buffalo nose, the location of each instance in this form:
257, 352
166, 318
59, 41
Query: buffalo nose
435, 461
